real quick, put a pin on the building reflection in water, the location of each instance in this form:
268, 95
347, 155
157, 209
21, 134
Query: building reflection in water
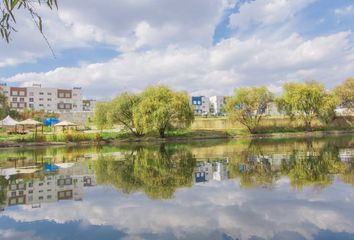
29, 186
206, 171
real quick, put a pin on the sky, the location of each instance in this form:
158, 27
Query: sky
205, 47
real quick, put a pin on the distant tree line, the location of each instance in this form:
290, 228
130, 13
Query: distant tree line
305, 101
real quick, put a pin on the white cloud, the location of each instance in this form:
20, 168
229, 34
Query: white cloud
210, 70
266, 12
223, 205
345, 10
124, 25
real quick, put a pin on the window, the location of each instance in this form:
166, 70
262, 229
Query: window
67, 95
14, 93
61, 106
21, 105
22, 93
40, 184
13, 194
30, 191
12, 201
21, 186
30, 198
14, 99
41, 105
30, 184
31, 99
41, 93
20, 193
68, 181
40, 198
49, 197
31, 94
49, 94
61, 95
22, 99
49, 99
21, 200
31, 105
41, 99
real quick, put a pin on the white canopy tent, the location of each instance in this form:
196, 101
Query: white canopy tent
8, 121
30, 123
65, 124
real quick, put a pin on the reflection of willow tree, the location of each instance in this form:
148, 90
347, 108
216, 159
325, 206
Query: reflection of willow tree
313, 167
252, 167
3, 189
348, 175
306, 163
157, 172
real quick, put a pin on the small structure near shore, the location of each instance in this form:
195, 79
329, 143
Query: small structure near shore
28, 123
9, 123
65, 125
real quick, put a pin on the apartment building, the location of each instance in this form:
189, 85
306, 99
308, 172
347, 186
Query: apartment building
200, 104
88, 105
47, 99
217, 104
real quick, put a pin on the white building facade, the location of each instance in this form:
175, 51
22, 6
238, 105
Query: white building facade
46, 99
217, 104
201, 105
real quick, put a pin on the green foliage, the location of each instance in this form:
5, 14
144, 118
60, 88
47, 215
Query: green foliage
121, 112
158, 172
307, 101
248, 106
8, 19
3, 189
74, 136
4, 106
160, 109
345, 92
102, 118
156, 109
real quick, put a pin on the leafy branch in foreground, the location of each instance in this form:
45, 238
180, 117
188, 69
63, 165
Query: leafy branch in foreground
8, 18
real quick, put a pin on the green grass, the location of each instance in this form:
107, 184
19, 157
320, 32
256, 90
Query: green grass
207, 128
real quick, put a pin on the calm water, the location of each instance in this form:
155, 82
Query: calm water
264, 189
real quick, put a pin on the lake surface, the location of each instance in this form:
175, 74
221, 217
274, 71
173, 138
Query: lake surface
261, 189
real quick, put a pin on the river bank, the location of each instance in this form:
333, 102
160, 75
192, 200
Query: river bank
191, 135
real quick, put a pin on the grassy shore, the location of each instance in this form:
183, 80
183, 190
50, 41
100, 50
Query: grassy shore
202, 128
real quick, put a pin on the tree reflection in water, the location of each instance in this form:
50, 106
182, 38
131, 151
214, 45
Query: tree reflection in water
306, 163
157, 171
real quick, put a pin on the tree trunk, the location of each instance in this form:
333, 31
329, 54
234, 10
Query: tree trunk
162, 132
308, 126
